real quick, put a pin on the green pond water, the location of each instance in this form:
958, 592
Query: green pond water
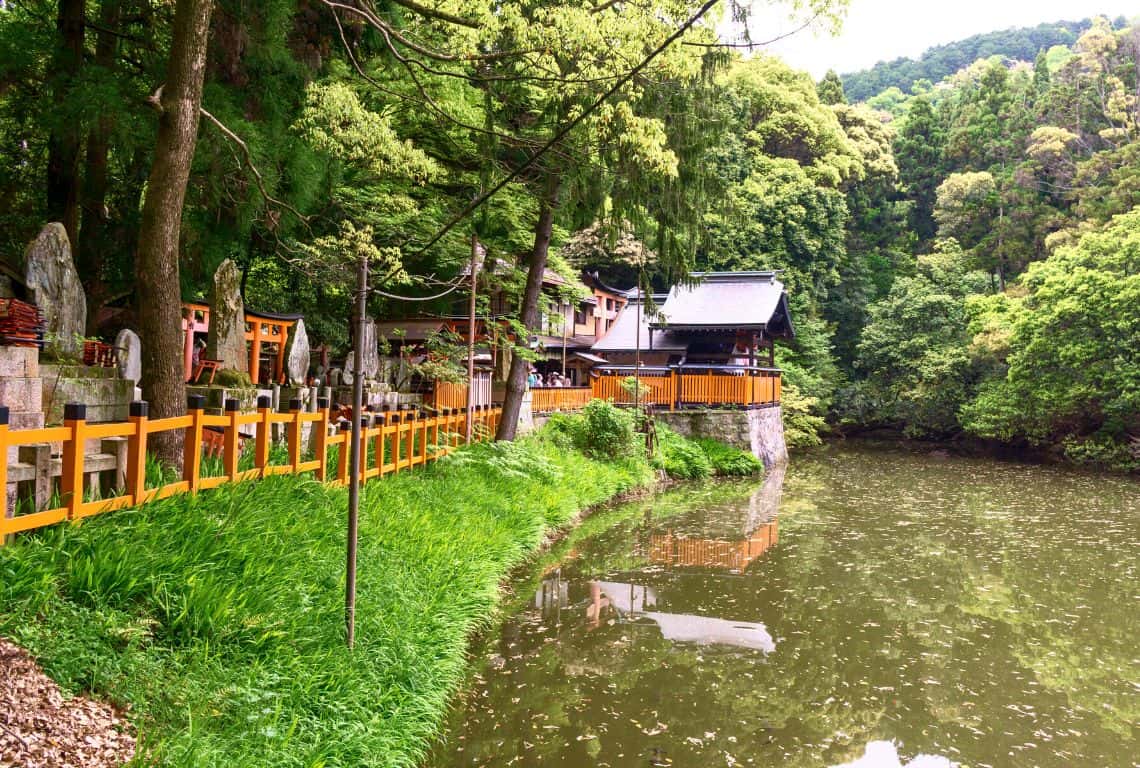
866, 608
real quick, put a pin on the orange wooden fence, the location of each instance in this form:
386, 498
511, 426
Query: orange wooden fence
399, 440
690, 385
550, 399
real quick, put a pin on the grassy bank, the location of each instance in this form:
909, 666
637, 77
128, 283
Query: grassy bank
216, 621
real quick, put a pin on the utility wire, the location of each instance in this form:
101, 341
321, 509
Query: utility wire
558, 137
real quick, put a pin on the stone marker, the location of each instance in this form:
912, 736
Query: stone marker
226, 340
371, 349
130, 354
371, 355
53, 285
297, 355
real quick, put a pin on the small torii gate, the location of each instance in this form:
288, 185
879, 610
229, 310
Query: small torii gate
260, 328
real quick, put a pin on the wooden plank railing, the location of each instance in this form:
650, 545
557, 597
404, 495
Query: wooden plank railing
551, 399
681, 386
400, 440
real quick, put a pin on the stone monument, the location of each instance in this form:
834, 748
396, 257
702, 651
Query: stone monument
226, 340
129, 347
297, 355
53, 285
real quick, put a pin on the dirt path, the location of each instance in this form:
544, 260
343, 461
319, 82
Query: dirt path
39, 728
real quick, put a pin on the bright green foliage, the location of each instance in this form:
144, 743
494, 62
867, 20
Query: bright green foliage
216, 620
918, 150
679, 457
942, 61
1071, 346
914, 349
602, 430
727, 461
688, 459
830, 89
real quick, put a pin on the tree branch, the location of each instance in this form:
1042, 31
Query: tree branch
436, 14
750, 45
248, 157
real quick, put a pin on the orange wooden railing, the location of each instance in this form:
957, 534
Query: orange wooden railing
551, 399
400, 440
680, 386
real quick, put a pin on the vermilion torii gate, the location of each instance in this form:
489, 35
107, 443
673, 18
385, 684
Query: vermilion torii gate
260, 328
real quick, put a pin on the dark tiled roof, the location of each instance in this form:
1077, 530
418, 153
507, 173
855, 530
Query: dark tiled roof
727, 300
622, 336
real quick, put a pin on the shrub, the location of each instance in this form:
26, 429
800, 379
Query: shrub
728, 461
680, 457
606, 431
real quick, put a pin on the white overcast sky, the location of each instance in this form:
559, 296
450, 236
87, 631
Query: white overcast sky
881, 30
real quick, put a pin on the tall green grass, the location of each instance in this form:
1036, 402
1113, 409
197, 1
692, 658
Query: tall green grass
217, 620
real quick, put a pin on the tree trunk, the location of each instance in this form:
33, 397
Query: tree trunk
93, 248
65, 140
159, 294
516, 379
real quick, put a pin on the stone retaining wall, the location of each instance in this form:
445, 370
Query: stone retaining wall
758, 430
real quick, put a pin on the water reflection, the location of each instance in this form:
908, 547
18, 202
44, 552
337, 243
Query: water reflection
872, 610
884, 754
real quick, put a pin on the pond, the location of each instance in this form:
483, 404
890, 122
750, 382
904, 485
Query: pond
868, 608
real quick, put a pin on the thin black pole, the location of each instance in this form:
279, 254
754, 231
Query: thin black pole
354, 453
468, 427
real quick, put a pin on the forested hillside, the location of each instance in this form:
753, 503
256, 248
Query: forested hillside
941, 61
990, 289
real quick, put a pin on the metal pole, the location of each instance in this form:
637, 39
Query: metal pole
565, 336
355, 445
471, 339
637, 352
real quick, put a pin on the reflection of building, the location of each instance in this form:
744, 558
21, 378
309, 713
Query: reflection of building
730, 554
626, 603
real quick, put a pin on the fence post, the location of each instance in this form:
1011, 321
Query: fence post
261, 444
342, 455
411, 416
384, 418
192, 446
365, 421
295, 434
4, 511
71, 481
230, 458
136, 452
322, 442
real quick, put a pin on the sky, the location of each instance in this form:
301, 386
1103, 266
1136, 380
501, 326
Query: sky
878, 30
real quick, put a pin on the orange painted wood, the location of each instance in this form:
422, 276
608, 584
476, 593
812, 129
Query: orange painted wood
71, 478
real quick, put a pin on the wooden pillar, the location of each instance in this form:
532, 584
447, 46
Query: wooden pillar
230, 453
71, 479
264, 430
192, 447
255, 352
136, 452
188, 341
279, 374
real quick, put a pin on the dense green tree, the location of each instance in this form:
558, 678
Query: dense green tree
1070, 350
918, 151
915, 349
830, 89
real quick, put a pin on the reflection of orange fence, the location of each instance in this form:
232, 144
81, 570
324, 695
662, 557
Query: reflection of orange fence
734, 555
676, 387
550, 399
397, 441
